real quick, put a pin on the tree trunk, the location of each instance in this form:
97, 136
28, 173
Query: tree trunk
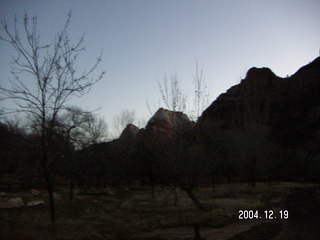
152, 191
251, 174
50, 196
47, 177
213, 184
152, 184
52, 204
252, 180
71, 192
197, 232
213, 187
175, 194
195, 200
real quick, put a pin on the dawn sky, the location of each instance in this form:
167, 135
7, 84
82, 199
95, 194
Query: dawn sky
143, 39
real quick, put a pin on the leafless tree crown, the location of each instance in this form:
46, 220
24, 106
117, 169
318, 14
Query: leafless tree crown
121, 120
201, 92
172, 94
52, 67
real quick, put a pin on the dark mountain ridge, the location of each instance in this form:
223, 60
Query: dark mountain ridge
264, 128
290, 106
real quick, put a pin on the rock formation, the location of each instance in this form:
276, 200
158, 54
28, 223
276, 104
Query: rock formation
290, 106
129, 133
268, 120
169, 123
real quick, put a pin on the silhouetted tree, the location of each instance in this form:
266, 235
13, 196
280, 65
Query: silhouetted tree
172, 94
80, 128
174, 99
13, 144
120, 121
188, 163
201, 93
173, 159
52, 67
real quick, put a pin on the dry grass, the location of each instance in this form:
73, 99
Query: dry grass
124, 214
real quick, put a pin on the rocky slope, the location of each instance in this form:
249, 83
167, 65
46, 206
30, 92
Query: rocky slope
290, 106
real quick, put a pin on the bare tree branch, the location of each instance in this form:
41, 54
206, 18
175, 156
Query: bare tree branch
172, 94
52, 66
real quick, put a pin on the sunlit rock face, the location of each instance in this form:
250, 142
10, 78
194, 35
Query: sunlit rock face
169, 123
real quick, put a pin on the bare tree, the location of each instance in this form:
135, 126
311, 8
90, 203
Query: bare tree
81, 129
121, 120
2, 115
172, 94
184, 166
174, 99
52, 68
174, 160
201, 92
95, 129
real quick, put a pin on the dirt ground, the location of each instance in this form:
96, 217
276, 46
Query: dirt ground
215, 234
303, 223
304, 220
160, 219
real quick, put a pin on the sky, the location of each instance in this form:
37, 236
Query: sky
144, 39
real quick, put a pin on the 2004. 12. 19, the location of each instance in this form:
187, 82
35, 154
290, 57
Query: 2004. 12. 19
267, 214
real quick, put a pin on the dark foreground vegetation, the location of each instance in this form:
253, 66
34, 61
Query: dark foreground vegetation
134, 214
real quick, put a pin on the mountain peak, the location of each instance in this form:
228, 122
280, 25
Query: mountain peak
130, 131
255, 72
281, 103
172, 117
169, 122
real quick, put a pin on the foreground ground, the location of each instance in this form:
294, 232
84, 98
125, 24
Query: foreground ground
133, 214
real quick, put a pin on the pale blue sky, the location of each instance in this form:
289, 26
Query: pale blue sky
143, 39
